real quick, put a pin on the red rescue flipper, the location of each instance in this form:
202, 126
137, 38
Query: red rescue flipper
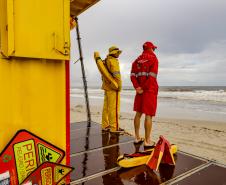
167, 155
156, 156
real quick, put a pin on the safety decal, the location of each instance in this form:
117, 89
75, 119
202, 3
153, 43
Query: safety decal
62, 182
25, 153
49, 173
46, 176
48, 154
6, 158
25, 157
60, 171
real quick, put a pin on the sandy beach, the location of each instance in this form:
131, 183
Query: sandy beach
201, 138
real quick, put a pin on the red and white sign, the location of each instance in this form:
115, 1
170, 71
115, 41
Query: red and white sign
48, 174
25, 153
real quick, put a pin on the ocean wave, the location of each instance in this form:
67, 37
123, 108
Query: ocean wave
195, 95
82, 96
199, 95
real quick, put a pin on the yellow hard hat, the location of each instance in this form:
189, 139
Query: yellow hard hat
114, 50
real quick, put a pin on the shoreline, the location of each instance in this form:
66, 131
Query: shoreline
201, 138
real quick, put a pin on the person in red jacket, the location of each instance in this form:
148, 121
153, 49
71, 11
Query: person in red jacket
144, 78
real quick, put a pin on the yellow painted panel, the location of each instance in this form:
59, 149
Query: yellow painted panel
33, 97
36, 29
3, 28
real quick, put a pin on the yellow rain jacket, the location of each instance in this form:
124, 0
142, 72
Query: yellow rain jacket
112, 65
111, 108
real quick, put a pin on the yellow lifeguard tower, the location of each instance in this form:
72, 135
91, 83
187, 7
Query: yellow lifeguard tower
34, 68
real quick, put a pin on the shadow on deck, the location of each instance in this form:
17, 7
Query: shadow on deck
94, 154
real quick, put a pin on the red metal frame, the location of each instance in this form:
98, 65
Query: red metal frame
68, 144
67, 73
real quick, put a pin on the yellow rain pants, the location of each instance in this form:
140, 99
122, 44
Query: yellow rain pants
111, 109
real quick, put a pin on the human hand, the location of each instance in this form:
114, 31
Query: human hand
72, 23
139, 90
96, 55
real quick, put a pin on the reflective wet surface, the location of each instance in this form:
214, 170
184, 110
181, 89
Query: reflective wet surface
104, 160
95, 151
212, 175
141, 175
82, 124
96, 138
82, 132
100, 160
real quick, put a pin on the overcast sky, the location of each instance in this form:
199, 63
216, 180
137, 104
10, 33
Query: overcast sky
190, 35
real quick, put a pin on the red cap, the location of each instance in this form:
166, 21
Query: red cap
149, 45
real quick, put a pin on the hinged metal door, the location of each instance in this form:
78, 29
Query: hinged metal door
35, 28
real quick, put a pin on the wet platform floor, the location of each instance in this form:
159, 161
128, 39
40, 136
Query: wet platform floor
94, 154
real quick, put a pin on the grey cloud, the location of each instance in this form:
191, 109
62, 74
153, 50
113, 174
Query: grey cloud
190, 36
204, 68
176, 25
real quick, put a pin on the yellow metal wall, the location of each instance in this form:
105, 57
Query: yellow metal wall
32, 97
35, 37
35, 28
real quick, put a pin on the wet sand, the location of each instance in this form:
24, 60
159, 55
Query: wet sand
201, 138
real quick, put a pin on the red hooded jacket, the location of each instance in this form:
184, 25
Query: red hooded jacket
144, 72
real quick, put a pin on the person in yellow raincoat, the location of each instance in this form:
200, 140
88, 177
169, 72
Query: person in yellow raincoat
111, 108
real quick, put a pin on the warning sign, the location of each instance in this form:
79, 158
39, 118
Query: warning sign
47, 154
25, 157
25, 153
59, 172
62, 182
49, 174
